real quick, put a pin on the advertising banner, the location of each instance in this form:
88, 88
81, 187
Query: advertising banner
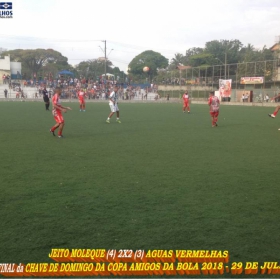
251, 80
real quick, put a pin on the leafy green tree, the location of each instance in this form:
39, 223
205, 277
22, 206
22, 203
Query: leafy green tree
34, 60
254, 62
203, 60
151, 59
179, 59
191, 52
54, 68
93, 68
119, 75
224, 50
250, 54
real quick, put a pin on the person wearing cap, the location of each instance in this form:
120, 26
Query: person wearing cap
113, 97
57, 111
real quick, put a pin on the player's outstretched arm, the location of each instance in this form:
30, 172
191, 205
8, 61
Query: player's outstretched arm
277, 96
64, 109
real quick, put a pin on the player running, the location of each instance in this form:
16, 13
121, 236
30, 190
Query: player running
81, 96
57, 113
277, 107
113, 97
214, 104
186, 102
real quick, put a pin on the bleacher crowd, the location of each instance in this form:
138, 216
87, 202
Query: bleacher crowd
93, 89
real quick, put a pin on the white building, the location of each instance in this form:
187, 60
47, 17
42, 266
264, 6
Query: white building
9, 68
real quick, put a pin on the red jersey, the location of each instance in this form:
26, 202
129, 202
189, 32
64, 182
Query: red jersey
81, 94
186, 97
56, 101
214, 103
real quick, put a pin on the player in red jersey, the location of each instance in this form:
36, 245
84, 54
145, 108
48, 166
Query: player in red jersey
277, 108
186, 102
57, 113
81, 96
214, 104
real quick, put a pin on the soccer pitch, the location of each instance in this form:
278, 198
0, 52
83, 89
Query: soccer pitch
159, 180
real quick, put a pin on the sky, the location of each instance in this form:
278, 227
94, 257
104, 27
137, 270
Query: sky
78, 29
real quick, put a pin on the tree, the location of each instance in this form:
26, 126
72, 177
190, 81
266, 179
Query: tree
119, 75
203, 60
177, 60
254, 62
224, 50
151, 59
93, 68
191, 52
33, 61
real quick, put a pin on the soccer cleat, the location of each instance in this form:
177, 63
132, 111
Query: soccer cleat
216, 124
80, 110
271, 115
118, 121
60, 136
278, 128
52, 132
107, 121
84, 110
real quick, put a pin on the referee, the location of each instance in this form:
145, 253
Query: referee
46, 98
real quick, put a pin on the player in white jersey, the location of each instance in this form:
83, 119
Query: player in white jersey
113, 103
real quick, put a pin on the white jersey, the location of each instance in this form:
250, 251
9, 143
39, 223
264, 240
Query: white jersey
113, 96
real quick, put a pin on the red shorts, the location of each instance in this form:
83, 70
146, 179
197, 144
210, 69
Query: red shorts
214, 114
58, 116
82, 101
186, 104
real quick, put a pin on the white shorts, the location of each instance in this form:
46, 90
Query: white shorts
114, 108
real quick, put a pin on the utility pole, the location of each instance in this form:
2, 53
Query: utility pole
225, 65
105, 59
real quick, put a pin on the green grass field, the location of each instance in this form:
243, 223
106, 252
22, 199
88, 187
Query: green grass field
159, 180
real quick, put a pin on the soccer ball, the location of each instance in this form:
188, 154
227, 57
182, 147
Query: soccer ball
146, 69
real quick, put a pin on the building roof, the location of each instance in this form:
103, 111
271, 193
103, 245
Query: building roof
275, 47
183, 67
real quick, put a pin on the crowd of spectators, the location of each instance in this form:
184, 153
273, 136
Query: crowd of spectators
94, 89
6, 79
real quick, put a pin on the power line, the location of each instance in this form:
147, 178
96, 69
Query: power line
49, 39
129, 46
141, 47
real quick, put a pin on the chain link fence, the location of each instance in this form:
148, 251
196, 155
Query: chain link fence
200, 80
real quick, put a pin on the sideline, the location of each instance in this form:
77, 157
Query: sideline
162, 100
